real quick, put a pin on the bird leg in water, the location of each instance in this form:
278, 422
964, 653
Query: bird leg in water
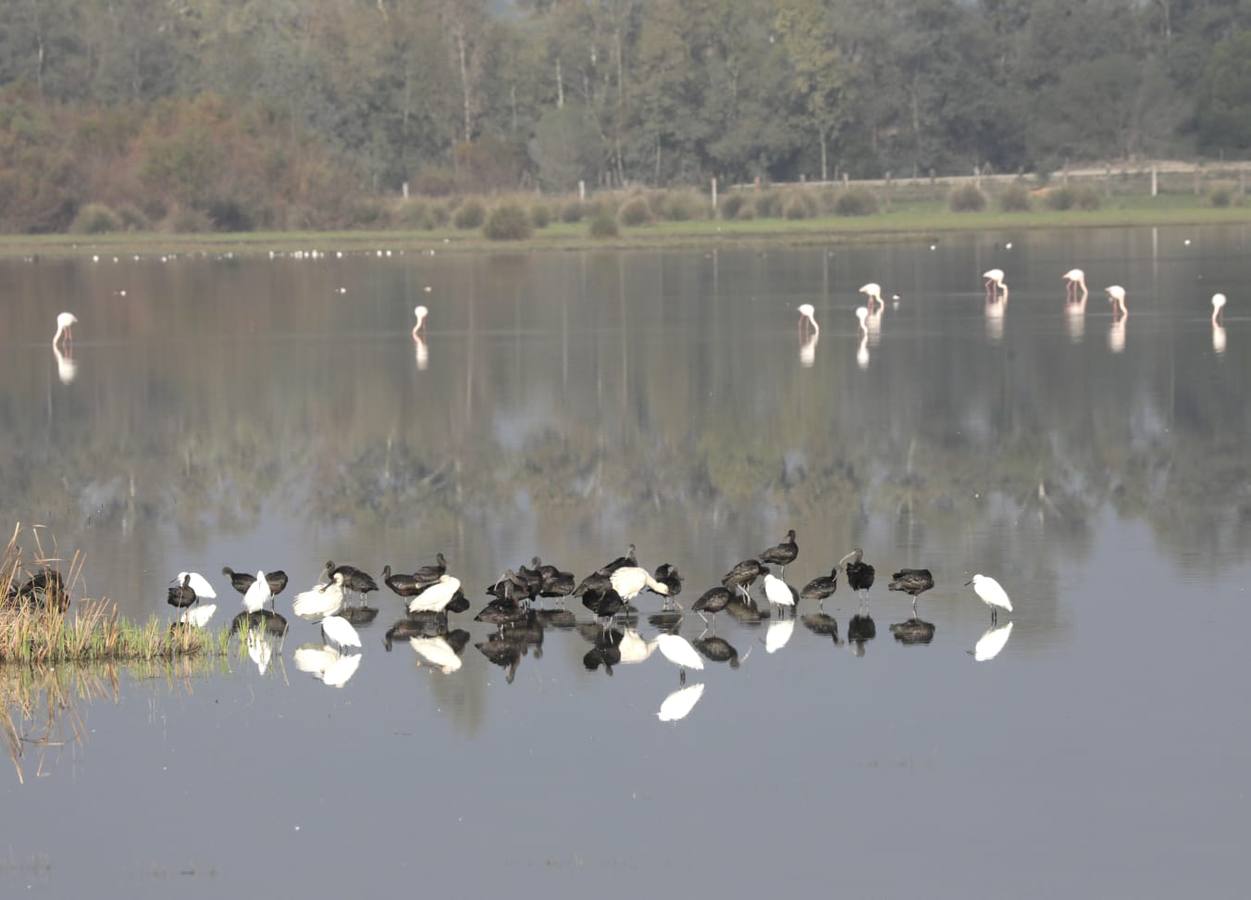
682, 677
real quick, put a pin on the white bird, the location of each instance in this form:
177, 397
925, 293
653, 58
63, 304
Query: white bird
199, 584
1116, 296
420, 312
257, 594
873, 291
634, 648
198, 616
807, 312
64, 325
777, 591
1074, 282
1218, 306
323, 600
990, 643
779, 633
437, 652
678, 650
678, 705
991, 593
629, 581
436, 597
340, 631
995, 285
808, 337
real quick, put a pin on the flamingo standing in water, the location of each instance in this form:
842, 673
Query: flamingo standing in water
808, 337
1218, 308
995, 285
873, 291
1218, 327
64, 323
1116, 296
420, 312
1075, 283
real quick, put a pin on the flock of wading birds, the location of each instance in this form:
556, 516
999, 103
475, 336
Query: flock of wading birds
338, 603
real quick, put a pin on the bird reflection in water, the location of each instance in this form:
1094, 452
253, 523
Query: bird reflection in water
441, 651
862, 350
506, 647
421, 352
1075, 321
860, 630
326, 664
913, 631
995, 310
778, 634
678, 705
990, 644
823, 625
66, 368
718, 650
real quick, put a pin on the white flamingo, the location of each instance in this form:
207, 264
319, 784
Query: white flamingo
64, 325
1116, 296
1075, 283
995, 285
420, 312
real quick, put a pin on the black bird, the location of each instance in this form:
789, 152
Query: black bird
717, 649
558, 584
630, 559
458, 604
744, 575
241, 581
605, 604
783, 554
820, 623
859, 573
181, 595
913, 631
428, 575
668, 575
530, 581
45, 588
354, 579
500, 612
595, 583
914, 582
712, 601
403, 585
820, 588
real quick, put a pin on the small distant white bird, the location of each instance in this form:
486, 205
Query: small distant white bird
1116, 296
64, 323
678, 650
777, 591
779, 634
436, 597
678, 705
990, 643
420, 312
1075, 282
437, 652
340, 631
257, 594
199, 584
991, 593
198, 616
1218, 306
323, 600
629, 581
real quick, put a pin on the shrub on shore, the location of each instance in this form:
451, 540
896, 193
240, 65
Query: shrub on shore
1015, 198
855, 202
95, 218
603, 225
967, 198
470, 214
508, 222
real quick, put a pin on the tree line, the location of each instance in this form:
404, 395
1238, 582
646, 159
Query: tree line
283, 113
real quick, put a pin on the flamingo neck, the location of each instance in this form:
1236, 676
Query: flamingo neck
816, 329
60, 333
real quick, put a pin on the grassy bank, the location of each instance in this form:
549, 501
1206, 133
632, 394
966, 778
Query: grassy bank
922, 217
50, 627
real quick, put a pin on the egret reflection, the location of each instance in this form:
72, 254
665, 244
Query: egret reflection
778, 634
678, 705
991, 644
441, 651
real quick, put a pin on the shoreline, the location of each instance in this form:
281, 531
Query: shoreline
660, 235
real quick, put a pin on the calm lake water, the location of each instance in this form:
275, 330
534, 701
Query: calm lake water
245, 412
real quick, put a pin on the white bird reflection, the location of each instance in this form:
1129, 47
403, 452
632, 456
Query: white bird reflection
260, 649
995, 310
808, 337
327, 664
678, 705
422, 353
634, 648
808, 350
779, 634
1075, 320
1218, 338
198, 616
437, 652
992, 642
66, 368
1116, 335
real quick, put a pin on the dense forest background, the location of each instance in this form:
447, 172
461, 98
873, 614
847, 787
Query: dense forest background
288, 113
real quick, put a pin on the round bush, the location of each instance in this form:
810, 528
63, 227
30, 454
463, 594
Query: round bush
967, 198
471, 214
508, 222
799, 205
1221, 197
603, 225
731, 204
855, 202
541, 215
440, 215
573, 211
1087, 198
682, 206
95, 218
133, 219
1014, 199
414, 214
768, 205
746, 212
635, 211
1061, 198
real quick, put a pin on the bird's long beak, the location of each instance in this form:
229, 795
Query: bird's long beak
969, 582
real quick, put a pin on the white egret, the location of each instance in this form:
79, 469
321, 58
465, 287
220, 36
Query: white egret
1074, 284
629, 581
340, 631
990, 643
436, 597
257, 594
991, 593
678, 705
678, 650
778, 592
321, 601
199, 584
64, 328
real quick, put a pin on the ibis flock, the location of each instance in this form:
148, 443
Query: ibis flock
753, 592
